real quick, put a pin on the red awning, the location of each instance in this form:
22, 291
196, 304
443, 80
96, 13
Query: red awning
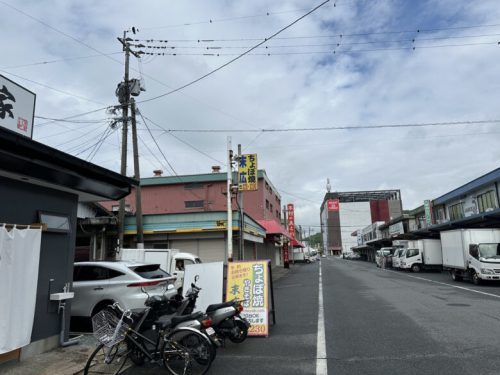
273, 227
296, 243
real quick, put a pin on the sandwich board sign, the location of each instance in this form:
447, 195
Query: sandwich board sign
17, 107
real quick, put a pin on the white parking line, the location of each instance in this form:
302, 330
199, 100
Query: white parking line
321, 362
450, 285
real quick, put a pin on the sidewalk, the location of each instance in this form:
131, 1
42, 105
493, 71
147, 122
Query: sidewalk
71, 360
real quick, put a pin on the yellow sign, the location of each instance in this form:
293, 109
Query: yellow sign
248, 281
247, 172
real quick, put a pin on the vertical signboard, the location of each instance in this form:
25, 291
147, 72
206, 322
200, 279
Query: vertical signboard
249, 282
333, 205
17, 107
291, 220
428, 212
247, 172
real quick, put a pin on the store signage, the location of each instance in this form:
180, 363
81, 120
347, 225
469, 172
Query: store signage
333, 205
286, 257
397, 228
291, 220
247, 172
17, 107
428, 212
249, 282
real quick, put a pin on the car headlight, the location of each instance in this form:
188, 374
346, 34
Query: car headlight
487, 271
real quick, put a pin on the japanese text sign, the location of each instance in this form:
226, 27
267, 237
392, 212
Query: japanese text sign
247, 172
249, 281
286, 256
291, 220
333, 205
428, 211
17, 107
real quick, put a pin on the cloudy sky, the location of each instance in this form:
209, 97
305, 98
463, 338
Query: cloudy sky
350, 63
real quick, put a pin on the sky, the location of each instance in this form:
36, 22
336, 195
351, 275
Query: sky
350, 63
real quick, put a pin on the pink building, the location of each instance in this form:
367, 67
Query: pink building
189, 213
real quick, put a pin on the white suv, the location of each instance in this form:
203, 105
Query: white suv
99, 284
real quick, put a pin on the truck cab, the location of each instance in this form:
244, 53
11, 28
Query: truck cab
396, 258
412, 259
484, 261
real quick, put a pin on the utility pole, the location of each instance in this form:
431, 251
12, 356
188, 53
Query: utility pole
125, 101
229, 201
123, 170
242, 215
137, 175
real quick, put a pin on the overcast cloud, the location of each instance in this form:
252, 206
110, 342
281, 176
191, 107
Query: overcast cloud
382, 84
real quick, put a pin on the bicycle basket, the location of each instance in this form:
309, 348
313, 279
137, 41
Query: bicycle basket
108, 329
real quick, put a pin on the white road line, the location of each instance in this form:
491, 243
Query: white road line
321, 362
450, 285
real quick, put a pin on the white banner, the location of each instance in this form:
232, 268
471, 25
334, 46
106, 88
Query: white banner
19, 259
210, 280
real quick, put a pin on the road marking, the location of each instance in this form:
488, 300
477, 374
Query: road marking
321, 362
450, 285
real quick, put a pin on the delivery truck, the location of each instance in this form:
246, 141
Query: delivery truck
423, 254
171, 260
472, 254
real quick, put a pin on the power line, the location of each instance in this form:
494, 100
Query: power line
340, 43
56, 61
334, 51
186, 143
330, 128
339, 35
52, 88
237, 57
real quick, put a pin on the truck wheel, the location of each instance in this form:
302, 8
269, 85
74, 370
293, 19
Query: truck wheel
455, 277
415, 268
475, 278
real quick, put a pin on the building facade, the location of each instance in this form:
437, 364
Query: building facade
344, 212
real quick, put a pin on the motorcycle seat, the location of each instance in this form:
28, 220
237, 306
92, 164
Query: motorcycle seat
217, 306
169, 321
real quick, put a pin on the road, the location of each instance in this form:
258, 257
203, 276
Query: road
376, 322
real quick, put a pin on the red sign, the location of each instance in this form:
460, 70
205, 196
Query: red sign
333, 205
291, 220
285, 253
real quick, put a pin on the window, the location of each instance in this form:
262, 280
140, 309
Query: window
150, 271
411, 253
193, 185
55, 222
271, 207
267, 204
486, 200
194, 204
456, 211
277, 214
94, 273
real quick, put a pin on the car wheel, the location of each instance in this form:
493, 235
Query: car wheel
455, 276
415, 268
475, 278
102, 306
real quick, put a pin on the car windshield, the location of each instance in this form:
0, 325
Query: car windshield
489, 250
150, 271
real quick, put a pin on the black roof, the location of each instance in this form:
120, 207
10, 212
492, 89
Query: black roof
40, 164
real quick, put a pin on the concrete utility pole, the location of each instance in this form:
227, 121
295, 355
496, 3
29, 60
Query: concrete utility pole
242, 215
125, 101
123, 170
229, 201
137, 175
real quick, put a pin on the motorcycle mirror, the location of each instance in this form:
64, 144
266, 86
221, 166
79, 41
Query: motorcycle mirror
170, 286
196, 278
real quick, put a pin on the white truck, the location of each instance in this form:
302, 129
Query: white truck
422, 254
472, 253
171, 260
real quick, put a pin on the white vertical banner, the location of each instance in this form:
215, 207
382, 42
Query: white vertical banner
211, 276
19, 260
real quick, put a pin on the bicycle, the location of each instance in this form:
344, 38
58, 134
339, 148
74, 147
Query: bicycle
119, 343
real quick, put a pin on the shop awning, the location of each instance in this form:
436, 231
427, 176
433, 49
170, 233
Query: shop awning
273, 227
296, 243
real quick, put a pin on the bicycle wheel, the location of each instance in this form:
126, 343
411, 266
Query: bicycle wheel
187, 351
105, 360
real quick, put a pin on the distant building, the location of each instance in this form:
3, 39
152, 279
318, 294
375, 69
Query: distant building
344, 212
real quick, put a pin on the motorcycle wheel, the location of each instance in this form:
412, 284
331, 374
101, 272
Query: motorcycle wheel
242, 332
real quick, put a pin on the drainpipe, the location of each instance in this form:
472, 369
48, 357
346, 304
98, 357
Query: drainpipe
62, 312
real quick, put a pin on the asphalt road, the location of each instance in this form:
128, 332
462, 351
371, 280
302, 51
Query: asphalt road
387, 322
